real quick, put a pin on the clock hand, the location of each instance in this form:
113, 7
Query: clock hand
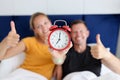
59, 37
58, 40
59, 34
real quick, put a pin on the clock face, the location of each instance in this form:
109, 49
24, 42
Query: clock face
59, 39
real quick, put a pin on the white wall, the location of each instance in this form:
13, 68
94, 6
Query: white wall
27, 7
22, 7
102, 7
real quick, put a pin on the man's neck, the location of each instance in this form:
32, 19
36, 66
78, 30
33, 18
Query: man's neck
80, 48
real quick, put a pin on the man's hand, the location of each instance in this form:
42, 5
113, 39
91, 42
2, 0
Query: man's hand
98, 51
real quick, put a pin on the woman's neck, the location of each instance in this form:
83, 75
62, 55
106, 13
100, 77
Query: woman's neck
43, 41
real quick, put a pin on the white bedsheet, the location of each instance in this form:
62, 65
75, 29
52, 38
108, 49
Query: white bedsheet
86, 75
22, 74
108, 76
9, 65
83, 75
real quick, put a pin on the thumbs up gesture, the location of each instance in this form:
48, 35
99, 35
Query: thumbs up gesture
98, 51
12, 38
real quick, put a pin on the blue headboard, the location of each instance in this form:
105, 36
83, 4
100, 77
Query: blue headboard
106, 25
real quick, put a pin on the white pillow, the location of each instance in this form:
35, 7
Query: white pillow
10, 64
92, 44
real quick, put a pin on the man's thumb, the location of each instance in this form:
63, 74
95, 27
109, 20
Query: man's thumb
98, 40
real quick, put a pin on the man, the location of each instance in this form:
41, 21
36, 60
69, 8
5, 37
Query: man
79, 57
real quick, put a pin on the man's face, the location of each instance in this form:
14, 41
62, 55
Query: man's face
79, 34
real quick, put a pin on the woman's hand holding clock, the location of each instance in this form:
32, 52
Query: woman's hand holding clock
59, 41
58, 57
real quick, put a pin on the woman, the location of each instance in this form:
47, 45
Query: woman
38, 61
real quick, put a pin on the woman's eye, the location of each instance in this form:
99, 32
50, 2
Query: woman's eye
45, 23
38, 27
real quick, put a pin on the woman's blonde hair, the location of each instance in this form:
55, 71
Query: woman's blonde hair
33, 18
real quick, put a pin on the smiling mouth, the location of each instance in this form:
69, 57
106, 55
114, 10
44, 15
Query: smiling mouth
78, 38
45, 32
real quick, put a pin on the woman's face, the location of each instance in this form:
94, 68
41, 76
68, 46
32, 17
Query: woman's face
41, 26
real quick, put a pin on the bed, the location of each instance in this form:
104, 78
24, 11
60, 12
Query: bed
9, 65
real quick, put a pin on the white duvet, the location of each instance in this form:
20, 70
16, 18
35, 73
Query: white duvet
9, 65
108, 76
86, 75
22, 74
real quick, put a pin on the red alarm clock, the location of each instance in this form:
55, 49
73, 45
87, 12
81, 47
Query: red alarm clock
59, 38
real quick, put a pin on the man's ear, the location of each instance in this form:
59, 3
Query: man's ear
88, 33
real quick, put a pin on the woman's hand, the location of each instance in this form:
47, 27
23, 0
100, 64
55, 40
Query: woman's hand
12, 38
59, 56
